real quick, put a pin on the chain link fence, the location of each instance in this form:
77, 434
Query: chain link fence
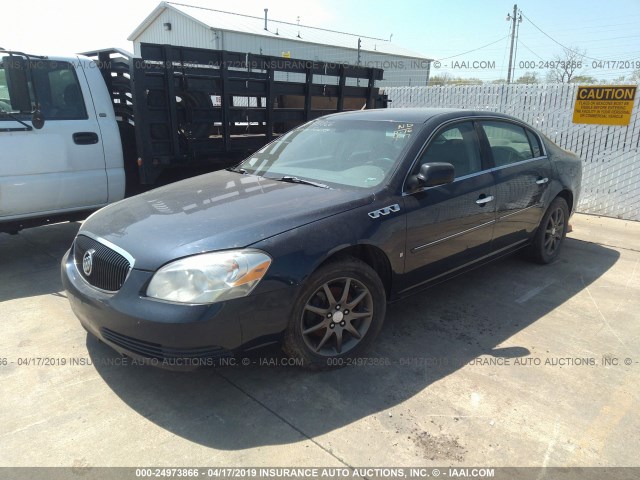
610, 154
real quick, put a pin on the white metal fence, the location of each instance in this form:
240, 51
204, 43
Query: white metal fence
610, 155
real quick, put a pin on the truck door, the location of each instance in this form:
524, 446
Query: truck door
60, 167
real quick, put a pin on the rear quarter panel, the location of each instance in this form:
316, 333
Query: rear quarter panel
568, 167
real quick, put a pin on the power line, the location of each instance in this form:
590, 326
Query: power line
599, 27
630, 56
475, 49
525, 46
595, 23
555, 41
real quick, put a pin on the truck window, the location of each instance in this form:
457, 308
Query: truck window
5, 100
57, 87
58, 90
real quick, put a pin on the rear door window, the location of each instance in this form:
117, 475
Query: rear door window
509, 143
535, 144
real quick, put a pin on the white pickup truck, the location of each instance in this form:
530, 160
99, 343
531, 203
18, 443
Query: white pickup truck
70, 165
79, 132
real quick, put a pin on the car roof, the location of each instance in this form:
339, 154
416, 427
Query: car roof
416, 115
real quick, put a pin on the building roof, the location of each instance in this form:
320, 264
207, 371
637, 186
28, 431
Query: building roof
220, 20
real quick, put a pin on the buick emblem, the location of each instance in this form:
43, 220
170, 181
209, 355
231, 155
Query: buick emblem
87, 261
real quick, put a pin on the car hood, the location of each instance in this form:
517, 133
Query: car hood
217, 211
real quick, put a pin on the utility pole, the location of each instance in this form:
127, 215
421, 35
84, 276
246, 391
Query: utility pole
515, 20
359, 45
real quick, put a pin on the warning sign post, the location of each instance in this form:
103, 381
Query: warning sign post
604, 104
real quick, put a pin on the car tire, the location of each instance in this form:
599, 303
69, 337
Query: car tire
337, 315
550, 235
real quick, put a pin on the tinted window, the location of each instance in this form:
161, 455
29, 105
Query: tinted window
5, 101
508, 142
535, 144
58, 90
457, 145
8, 100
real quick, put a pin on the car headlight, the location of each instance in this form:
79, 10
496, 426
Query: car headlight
210, 277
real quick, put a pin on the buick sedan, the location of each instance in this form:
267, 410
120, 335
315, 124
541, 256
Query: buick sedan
306, 241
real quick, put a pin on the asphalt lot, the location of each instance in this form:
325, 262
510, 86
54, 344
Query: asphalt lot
503, 366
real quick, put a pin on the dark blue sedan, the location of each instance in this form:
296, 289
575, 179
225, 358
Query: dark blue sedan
306, 241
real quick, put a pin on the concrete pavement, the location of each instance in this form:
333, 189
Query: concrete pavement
513, 364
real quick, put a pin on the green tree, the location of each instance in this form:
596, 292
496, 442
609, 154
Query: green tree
448, 79
583, 79
439, 80
466, 81
529, 77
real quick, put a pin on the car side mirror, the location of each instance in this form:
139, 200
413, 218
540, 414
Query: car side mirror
17, 83
37, 119
433, 174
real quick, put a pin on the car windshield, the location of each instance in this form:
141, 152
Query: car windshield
334, 152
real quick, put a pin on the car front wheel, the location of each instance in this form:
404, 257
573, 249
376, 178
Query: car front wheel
337, 315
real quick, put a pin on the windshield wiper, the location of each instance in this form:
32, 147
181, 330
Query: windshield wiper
27, 127
290, 179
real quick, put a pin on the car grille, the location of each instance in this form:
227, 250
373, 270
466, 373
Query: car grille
160, 352
109, 268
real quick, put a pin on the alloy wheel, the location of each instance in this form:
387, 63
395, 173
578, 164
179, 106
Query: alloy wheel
554, 231
337, 316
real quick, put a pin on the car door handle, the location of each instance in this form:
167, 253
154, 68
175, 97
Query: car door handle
542, 181
484, 199
85, 138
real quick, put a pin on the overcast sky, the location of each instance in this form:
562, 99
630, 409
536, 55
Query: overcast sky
436, 28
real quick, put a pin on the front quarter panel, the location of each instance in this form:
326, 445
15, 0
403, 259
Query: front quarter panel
297, 253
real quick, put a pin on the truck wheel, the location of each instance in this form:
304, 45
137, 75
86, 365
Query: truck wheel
551, 233
337, 314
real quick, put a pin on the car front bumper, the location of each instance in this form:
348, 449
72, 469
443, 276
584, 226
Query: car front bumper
177, 336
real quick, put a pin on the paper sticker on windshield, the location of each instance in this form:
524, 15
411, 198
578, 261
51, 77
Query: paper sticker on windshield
403, 130
321, 125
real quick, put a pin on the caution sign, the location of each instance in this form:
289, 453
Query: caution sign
604, 104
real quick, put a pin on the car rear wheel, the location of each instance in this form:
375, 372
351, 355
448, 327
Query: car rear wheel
551, 233
337, 315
